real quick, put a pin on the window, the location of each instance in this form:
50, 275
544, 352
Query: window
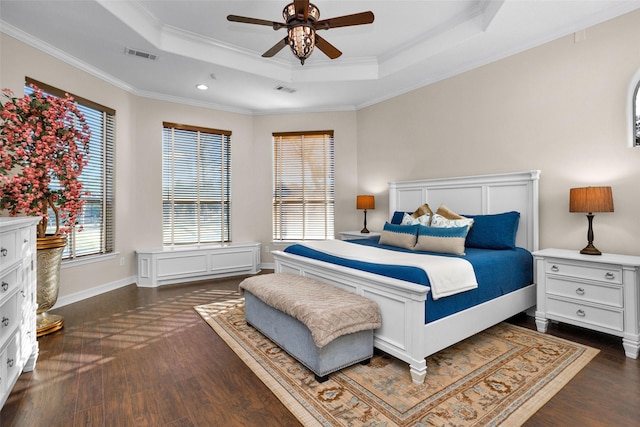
96, 219
196, 184
303, 183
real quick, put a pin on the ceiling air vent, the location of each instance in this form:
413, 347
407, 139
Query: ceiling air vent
284, 89
140, 53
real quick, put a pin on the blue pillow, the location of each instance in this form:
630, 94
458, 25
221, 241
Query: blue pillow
447, 240
397, 217
402, 236
497, 231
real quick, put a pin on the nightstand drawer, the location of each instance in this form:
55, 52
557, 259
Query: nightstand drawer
602, 294
582, 313
603, 273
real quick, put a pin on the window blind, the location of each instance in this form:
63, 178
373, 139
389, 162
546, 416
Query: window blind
304, 186
97, 217
196, 184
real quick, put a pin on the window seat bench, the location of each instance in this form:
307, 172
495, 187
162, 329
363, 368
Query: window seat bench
177, 264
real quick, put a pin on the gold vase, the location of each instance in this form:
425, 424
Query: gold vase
49, 257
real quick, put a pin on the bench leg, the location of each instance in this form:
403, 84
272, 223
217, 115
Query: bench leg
365, 362
321, 379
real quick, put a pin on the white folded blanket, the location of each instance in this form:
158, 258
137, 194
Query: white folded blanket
447, 275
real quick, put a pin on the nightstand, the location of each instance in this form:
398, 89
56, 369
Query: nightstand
599, 292
351, 235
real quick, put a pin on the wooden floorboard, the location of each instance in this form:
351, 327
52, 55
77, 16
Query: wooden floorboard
144, 357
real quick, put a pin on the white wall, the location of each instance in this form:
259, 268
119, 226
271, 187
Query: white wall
559, 108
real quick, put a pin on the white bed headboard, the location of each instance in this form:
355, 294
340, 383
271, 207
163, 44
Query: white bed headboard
473, 195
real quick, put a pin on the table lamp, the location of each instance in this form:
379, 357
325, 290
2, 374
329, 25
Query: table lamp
590, 199
365, 202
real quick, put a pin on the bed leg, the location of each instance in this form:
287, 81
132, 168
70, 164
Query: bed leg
418, 371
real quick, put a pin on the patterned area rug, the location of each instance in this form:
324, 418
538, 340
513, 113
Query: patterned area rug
500, 376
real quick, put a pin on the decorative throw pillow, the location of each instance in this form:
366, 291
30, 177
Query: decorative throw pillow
497, 231
423, 210
398, 216
402, 236
442, 222
443, 240
411, 220
448, 213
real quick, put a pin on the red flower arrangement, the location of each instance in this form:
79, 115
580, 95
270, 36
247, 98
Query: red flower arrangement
42, 138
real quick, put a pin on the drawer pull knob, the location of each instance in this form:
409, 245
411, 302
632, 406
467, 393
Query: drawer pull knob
610, 276
5, 286
3, 251
555, 268
581, 313
10, 362
5, 321
580, 291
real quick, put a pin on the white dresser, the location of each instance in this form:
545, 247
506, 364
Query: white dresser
18, 300
599, 292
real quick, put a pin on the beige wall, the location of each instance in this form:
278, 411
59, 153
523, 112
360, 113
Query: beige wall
139, 162
559, 108
345, 135
18, 60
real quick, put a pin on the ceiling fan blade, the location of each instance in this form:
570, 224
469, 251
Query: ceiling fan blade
345, 21
246, 20
302, 8
330, 50
275, 49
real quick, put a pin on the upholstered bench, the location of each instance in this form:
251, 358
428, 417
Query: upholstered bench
324, 327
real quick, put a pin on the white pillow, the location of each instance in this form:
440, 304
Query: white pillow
441, 222
421, 220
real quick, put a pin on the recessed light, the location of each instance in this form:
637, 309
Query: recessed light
202, 86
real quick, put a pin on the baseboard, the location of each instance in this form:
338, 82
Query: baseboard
79, 296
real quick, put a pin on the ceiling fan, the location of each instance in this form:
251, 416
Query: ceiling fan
301, 22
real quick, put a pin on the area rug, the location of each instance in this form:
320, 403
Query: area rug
498, 377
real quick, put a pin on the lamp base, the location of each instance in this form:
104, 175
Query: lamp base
590, 250
364, 229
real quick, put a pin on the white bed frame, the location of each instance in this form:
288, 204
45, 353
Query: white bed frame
403, 333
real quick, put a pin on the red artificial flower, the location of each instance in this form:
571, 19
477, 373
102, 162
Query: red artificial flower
42, 138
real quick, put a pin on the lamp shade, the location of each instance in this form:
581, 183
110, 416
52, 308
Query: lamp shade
591, 199
365, 202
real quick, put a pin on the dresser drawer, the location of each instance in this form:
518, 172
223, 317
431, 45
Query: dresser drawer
583, 291
8, 249
9, 281
26, 242
9, 317
599, 272
582, 313
4, 382
10, 361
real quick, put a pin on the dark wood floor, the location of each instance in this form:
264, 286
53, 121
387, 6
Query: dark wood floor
143, 357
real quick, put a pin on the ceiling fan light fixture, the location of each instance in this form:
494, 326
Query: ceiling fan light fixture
289, 13
301, 21
302, 40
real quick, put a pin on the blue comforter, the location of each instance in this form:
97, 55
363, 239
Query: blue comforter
498, 272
